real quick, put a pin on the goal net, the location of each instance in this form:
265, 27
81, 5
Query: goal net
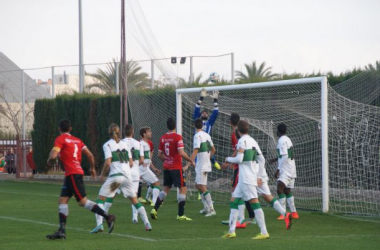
351, 182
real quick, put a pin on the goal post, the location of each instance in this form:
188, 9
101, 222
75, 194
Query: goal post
253, 99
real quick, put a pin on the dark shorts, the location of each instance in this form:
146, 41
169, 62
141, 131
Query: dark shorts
235, 178
175, 176
73, 185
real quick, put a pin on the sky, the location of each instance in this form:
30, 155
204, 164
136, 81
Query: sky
289, 35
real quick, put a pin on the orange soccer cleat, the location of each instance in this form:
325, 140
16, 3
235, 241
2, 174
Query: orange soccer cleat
281, 217
288, 220
295, 215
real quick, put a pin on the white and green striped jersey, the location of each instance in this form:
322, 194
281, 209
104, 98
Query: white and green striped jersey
203, 142
136, 149
285, 154
120, 154
249, 167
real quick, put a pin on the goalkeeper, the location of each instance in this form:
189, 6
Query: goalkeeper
208, 122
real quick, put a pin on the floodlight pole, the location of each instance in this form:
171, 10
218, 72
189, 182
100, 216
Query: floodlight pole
232, 69
152, 73
81, 70
52, 82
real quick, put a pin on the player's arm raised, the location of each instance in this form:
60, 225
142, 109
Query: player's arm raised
215, 112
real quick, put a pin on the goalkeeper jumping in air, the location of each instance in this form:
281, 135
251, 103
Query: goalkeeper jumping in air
208, 122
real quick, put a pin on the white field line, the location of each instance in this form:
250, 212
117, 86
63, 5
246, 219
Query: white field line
74, 228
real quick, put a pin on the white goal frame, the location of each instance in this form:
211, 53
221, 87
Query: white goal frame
324, 118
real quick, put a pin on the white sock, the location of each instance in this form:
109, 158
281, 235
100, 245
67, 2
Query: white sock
98, 218
156, 192
279, 208
291, 204
134, 213
241, 213
107, 206
283, 202
141, 211
149, 193
64, 209
89, 205
233, 219
208, 199
205, 207
177, 194
259, 216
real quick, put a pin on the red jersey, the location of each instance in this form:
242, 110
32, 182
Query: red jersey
151, 145
170, 143
29, 160
70, 153
234, 142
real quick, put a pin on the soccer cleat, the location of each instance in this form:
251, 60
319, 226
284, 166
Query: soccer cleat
152, 204
97, 229
225, 222
148, 227
261, 236
203, 211
229, 235
57, 235
148, 201
210, 213
250, 221
199, 196
288, 220
111, 222
217, 166
142, 200
240, 225
183, 217
295, 215
153, 214
281, 217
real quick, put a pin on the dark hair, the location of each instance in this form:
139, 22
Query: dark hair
204, 111
170, 123
114, 131
128, 130
243, 127
281, 128
198, 123
143, 131
235, 118
64, 125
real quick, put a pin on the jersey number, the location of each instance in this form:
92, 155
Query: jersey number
75, 155
167, 148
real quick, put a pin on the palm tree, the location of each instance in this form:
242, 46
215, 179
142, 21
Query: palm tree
197, 81
106, 78
373, 68
255, 74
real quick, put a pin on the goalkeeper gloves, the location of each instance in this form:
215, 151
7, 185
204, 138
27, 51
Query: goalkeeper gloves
215, 95
202, 95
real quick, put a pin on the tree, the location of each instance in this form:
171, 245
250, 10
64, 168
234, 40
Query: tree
255, 74
373, 68
106, 78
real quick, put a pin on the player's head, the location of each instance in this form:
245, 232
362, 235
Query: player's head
281, 129
64, 126
170, 123
204, 115
243, 127
128, 130
146, 132
198, 123
114, 131
234, 119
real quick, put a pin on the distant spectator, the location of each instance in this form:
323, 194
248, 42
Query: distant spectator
10, 160
30, 161
2, 162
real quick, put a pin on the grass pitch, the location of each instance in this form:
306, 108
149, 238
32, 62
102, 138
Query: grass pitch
29, 212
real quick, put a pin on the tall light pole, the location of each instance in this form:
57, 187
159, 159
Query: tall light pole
81, 70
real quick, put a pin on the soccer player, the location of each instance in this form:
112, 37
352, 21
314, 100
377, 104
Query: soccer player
286, 171
248, 154
118, 160
234, 119
171, 151
145, 169
203, 150
208, 122
70, 151
138, 158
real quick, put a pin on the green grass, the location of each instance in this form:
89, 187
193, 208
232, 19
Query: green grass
29, 212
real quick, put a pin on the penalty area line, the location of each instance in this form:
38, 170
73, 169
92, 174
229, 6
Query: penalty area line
74, 228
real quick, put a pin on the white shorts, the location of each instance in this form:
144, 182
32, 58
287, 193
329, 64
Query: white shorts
149, 177
289, 182
112, 184
201, 178
136, 186
245, 191
135, 172
264, 189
